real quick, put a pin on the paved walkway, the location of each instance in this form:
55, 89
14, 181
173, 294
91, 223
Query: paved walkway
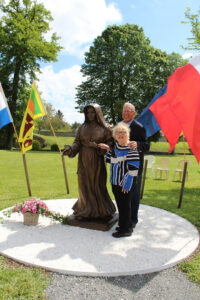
160, 240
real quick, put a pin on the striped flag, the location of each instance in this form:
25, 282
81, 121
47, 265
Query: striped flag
33, 111
5, 115
179, 108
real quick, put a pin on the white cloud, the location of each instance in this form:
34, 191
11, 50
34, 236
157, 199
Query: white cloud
187, 55
78, 22
59, 90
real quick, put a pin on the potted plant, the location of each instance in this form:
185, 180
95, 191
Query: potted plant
31, 209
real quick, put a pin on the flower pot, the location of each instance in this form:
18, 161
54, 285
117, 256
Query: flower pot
31, 219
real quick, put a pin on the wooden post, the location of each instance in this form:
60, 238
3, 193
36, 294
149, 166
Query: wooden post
63, 161
183, 183
65, 173
143, 178
27, 177
24, 161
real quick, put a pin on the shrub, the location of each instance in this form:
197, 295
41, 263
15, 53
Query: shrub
36, 146
41, 140
54, 147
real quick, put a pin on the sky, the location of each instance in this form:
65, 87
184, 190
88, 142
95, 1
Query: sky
79, 22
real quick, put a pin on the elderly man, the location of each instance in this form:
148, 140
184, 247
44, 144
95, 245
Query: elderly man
138, 140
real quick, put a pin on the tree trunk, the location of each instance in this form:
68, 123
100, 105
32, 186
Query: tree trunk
13, 105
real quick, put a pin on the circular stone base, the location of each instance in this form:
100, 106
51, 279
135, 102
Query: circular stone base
160, 240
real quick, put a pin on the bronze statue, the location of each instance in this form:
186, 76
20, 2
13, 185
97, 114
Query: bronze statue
94, 200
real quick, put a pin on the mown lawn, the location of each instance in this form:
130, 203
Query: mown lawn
47, 182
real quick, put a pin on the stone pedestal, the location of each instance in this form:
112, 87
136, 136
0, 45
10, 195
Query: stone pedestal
96, 224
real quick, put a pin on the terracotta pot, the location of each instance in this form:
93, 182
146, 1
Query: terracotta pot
31, 219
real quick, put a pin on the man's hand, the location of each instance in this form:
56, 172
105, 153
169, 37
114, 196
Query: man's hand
132, 144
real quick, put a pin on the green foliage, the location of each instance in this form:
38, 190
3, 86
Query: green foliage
55, 117
74, 126
194, 21
54, 147
36, 146
21, 283
41, 140
122, 66
23, 28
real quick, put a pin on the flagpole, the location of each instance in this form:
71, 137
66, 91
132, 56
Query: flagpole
184, 175
63, 161
184, 147
26, 172
24, 161
183, 183
143, 178
62, 157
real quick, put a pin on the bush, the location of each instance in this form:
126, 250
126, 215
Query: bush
41, 140
54, 147
36, 146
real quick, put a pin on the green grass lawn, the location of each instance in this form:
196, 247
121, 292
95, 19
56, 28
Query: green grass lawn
21, 283
47, 182
61, 141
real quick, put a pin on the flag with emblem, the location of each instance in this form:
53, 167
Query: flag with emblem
33, 111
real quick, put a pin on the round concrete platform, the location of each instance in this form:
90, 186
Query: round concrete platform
160, 240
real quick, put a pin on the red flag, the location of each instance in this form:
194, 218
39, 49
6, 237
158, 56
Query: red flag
179, 108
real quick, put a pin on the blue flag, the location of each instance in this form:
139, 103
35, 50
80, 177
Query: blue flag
147, 119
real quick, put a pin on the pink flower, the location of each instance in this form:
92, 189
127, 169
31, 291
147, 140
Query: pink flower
34, 210
16, 208
23, 210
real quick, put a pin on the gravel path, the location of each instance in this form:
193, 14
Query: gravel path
170, 284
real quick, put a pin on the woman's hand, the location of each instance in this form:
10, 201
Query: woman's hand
125, 191
104, 147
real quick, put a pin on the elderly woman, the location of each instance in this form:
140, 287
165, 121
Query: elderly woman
94, 200
124, 165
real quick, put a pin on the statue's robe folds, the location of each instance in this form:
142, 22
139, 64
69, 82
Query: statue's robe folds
94, 200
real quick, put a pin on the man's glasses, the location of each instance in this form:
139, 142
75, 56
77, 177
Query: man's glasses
127, 111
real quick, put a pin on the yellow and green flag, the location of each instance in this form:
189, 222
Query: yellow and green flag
33, 111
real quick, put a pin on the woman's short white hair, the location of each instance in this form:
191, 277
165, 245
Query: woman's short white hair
121, 126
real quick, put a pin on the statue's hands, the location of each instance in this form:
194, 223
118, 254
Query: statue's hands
93, 145
67, 150
104, 146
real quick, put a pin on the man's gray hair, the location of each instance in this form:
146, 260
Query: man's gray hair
130, 105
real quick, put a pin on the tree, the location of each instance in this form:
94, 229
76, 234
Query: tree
122, 66
194, 21
22, 47
74, 126
56, 119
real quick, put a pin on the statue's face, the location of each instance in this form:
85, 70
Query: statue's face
91, 114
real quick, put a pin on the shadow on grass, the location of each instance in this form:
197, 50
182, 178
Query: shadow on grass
168, 199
